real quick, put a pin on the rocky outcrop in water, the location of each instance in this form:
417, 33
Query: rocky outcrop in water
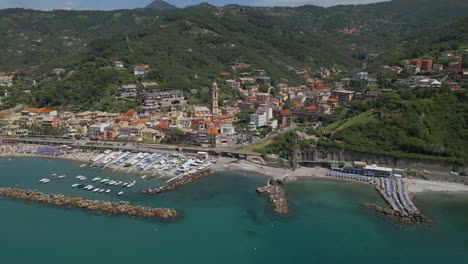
401, 217
277, 194
120, 208
173, 185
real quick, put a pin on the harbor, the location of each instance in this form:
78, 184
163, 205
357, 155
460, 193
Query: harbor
389, 183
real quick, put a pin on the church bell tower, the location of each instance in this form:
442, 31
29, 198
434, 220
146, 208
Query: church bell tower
215, 95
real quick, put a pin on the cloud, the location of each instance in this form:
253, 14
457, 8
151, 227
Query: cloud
70, 5
325, 3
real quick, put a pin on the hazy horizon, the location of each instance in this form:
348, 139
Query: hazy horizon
125, 4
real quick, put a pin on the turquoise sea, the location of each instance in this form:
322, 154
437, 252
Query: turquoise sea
224, 221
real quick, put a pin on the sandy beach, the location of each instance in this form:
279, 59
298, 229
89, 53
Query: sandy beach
230, 164
418, 186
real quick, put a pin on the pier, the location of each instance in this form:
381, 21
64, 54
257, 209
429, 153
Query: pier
395, 193
277, 195
183, 180
120, 208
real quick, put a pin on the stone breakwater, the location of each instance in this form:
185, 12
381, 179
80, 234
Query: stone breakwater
175, 184
399, 216
120, 208
277, 194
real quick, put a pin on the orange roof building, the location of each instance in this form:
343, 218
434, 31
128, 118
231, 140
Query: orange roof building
212, 131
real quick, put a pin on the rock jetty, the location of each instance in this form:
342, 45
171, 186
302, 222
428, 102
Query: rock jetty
277, 194
399, 216
120, 208
177, 183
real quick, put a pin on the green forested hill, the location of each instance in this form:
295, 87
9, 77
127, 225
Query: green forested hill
29, 37
187, 50
433, 123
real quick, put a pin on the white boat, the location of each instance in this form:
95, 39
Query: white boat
105, 180
108, 191
83, 165
88, 187
62, 176
144, 176
125, 184
55, 174
101, 191
96, 179
120, 193
75, 185
96, 190
44, 180
130, 185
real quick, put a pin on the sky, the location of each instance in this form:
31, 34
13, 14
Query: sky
130, 4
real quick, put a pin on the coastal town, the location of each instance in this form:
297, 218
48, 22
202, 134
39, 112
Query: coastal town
265, 106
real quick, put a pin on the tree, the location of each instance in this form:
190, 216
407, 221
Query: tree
288, 104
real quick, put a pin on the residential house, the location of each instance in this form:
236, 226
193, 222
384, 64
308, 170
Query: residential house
343, 95
39, 111
6, 81
49, 121
416, 62
447, 54
96, 130
372, 94
412, 69
454, 86
149, 134
426, 65
13, 130
118, 65
139, 71
361, 76
263, 80
285, 118
438, 67
455, 66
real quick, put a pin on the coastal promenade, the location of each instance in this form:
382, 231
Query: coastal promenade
130, 146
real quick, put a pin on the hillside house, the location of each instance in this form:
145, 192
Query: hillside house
139, 71
6, 81
285, 118
361, 76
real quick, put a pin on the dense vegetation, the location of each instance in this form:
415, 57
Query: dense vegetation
433, 122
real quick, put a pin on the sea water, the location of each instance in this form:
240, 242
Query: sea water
224, 221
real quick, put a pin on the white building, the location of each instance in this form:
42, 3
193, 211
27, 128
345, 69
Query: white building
361, 76
261, 117
94, 131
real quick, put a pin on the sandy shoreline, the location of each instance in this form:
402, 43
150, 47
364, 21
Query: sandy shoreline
233, 165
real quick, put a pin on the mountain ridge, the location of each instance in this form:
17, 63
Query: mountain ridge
160, 5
